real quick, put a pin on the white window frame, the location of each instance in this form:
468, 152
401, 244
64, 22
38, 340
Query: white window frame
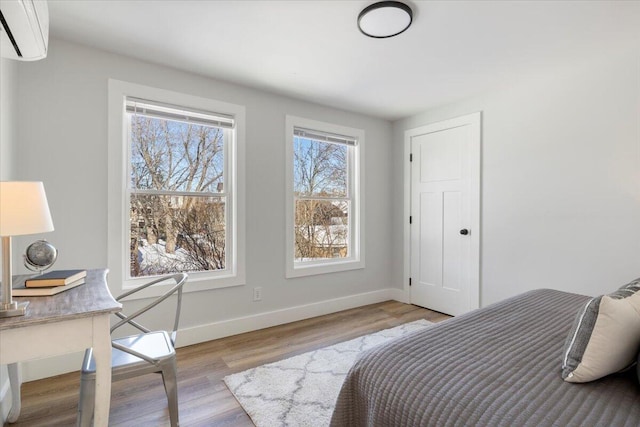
356, 259
118, 194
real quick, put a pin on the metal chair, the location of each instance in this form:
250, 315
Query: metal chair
148, 352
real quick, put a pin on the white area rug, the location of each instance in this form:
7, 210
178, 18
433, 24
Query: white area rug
301, 391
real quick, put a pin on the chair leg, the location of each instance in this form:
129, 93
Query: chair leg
171, 388
87, 401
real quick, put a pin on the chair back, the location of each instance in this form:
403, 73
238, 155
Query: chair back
178, 279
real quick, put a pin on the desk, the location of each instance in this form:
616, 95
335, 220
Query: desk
68, 322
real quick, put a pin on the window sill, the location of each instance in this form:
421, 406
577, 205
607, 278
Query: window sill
195, 283
312, 269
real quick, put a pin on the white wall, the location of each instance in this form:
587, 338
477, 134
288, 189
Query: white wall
560, 178
8, 117
8, 160
63, 142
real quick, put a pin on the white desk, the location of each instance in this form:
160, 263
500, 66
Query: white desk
68, 322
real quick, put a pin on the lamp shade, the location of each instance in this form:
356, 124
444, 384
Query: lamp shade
23, 209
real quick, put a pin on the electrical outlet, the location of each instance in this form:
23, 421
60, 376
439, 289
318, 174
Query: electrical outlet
257, 294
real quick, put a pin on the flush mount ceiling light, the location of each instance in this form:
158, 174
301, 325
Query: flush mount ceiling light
385, 19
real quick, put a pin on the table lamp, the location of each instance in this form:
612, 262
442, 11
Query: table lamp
23, 210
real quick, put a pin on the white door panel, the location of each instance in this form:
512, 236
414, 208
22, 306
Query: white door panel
429, 247
444, 180
439, 154
452, 242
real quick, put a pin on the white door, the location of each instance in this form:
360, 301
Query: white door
445, 215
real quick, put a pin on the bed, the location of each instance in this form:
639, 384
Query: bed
497, 366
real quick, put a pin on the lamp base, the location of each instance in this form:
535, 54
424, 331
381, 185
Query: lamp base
13, 309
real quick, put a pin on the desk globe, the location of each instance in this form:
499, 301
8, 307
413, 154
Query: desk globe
40, 255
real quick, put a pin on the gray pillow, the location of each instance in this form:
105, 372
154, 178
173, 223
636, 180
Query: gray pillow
605, 336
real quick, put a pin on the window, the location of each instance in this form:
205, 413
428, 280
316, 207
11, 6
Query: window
324, 203
178, 197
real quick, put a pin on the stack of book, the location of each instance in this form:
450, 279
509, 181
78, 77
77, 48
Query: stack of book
50, 283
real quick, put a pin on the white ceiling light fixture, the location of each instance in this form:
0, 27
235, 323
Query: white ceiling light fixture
385, 19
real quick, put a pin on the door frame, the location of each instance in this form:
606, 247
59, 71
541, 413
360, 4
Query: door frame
474, 120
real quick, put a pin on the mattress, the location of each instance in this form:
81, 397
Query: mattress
497, 366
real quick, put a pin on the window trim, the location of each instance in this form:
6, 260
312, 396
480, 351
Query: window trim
118, 163
355, 185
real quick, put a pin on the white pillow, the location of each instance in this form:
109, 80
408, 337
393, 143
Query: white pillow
605, 336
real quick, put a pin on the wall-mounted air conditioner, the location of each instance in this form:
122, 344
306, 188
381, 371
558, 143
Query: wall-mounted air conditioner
24, 29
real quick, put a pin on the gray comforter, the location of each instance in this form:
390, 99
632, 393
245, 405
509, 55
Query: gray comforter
497, 366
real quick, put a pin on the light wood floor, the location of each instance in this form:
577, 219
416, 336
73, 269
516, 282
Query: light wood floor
203, 396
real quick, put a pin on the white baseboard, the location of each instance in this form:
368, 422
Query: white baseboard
69, 363
399, 295
239, 325
51, 366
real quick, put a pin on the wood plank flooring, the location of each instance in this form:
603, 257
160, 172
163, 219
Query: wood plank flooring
203, 396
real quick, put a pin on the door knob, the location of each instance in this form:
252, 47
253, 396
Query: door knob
464, 231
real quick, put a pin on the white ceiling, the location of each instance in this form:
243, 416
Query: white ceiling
312, 49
